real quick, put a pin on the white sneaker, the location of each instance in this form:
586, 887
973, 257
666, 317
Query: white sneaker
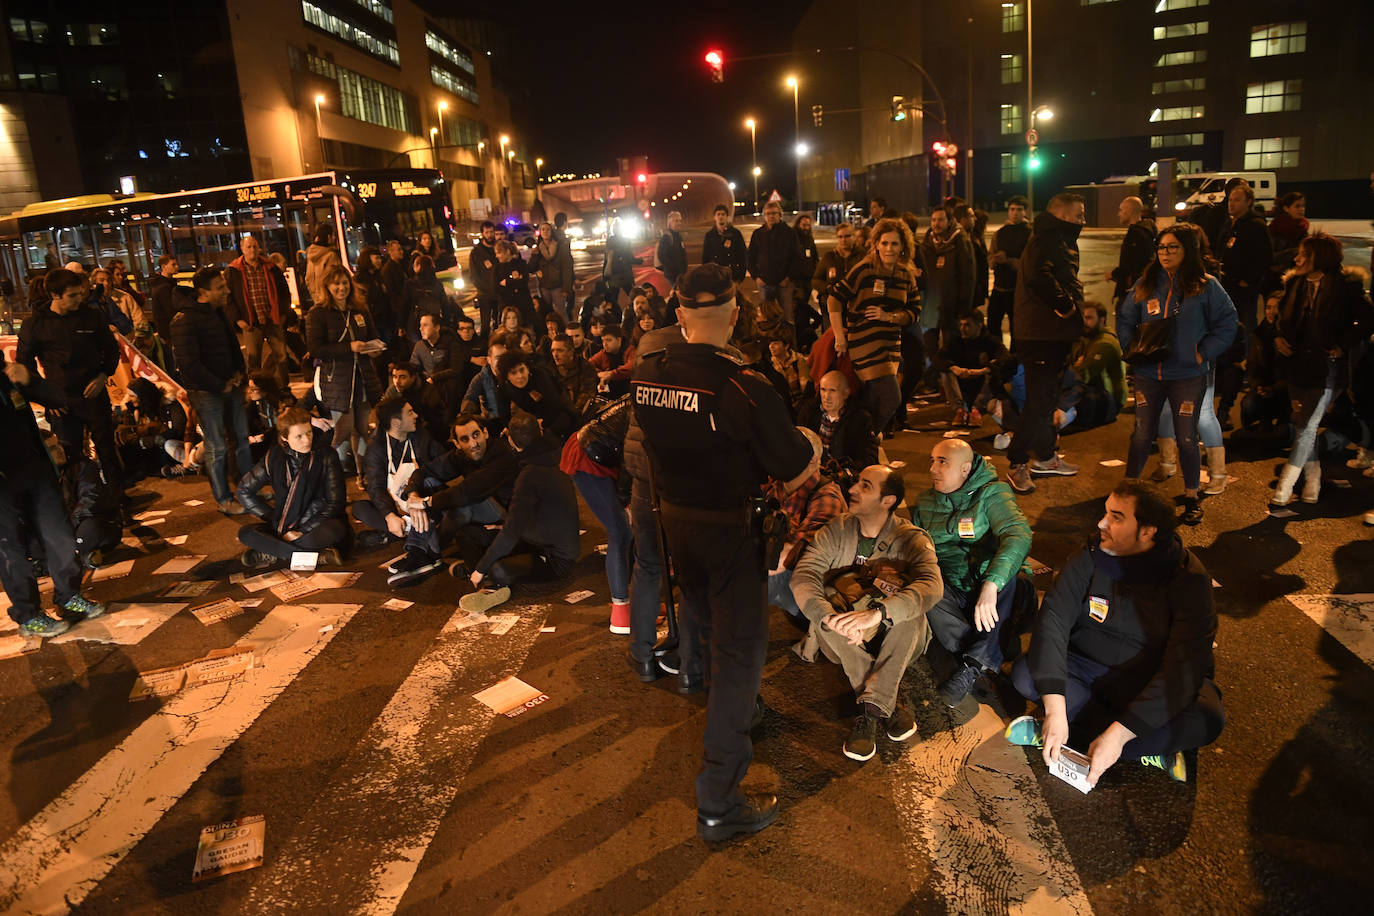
1001, 441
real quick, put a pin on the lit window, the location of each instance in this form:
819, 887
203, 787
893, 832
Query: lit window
1272, 153
1187, 166
446, 80
1160, 141
1178, 58
1279, 95
1181, 113
1180, 30
378, 8
365, 99
448, 50
383, 48
1195, 84
1011, 68
1011, 167
1164, 6
1013, 17
1094, 2
1278, 38
1011, 119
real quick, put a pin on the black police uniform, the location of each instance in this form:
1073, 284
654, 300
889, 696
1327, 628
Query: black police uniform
714, 432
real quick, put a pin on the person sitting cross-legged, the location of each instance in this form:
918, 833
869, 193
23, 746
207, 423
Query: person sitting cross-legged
306, 513
1121, 651
866, 584
981, 539
539, 540
810, 500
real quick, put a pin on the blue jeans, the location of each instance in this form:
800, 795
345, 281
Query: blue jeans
1089, 713
601, 497
486, 512
780, 593
1151, 396
1208, 426
646, 585
951, 622
214, 410
1311, 407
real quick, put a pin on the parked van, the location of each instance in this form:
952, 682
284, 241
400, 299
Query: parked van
1210, 187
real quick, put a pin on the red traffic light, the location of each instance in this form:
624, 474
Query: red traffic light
938, 148
641, 178
716, 61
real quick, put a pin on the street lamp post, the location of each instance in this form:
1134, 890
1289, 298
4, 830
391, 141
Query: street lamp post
443, 107
754, 154
434, 145
796, 136
538, 172
505, 172
319, 131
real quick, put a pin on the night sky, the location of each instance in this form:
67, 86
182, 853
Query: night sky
643, 87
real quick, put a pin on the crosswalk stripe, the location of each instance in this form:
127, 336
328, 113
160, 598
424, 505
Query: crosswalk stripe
360, 844
972, 806
59, 857
1349, 618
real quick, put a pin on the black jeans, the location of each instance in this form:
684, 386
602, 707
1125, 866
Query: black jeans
721, 571
1035, 434
332, 532
951, 622
30, 498
646, 576
1000, 303
96, 415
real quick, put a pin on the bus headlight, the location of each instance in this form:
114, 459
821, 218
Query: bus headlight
458, 283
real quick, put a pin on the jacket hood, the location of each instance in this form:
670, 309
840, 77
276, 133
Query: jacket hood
1350, 273
980, 475
1156, 565
317, 253
1046, 223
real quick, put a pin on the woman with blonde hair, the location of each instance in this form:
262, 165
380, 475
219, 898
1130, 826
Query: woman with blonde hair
342, 337
868, 310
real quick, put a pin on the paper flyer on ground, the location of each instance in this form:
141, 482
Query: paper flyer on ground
122, 624
218, 665
511, 697
501, 623
229, 847
215, 611
268, 579
193, 589
179, 565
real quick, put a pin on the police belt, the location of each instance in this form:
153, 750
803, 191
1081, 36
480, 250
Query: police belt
741, 516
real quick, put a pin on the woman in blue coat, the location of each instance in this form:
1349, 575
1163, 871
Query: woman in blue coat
1175, 286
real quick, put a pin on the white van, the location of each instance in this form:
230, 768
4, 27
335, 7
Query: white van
1209, 188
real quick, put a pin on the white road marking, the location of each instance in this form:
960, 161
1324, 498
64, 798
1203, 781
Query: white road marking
1349, 618
972, 807
360, 844
56, 859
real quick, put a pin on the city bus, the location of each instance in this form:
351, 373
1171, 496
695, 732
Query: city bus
202, 228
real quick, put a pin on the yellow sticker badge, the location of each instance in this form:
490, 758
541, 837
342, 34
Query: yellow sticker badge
1097, 608
965, 527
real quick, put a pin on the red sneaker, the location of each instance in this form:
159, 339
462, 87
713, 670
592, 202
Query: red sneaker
620, 618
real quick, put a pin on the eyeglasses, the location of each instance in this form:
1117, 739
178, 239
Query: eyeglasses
1170, 249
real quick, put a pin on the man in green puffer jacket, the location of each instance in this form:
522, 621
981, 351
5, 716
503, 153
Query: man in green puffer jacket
981, 541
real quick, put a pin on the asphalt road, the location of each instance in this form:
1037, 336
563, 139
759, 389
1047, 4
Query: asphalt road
385, 786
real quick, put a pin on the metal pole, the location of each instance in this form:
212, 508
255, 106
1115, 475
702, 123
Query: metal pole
968, 147
796, 140
1030, 113
754, 153
319, 131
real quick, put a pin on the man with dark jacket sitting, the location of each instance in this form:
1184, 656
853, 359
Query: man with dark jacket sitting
306, 512
394, 453
468, 486
845, 428
538, 541
1121, 651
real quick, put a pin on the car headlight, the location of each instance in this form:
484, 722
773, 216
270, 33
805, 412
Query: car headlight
458, 283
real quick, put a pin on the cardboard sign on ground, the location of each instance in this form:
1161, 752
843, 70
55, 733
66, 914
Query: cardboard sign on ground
229, 847
511, 697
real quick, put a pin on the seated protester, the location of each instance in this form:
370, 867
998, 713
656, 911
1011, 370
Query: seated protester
553, 327
444, 359
981, 541
575, 374
483, 397
810, 500
645, 321
532, 390
866, 584
398, 448
470, 485
845, 428
1096, 358
513, 284
795, 371
613, 363
511, 321
407, 383
592, 346
967, 360
93, 507
539, 540
265, 402
142, 431
124, 311
469, 352
581, 345
306, 512
1266, 407
425, 295
1121, 651
602, 303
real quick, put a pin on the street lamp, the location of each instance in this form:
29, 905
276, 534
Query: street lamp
796, 135
538, 166
754, 154
1030, 109
801, 150
433, 145
319, 131
443, 107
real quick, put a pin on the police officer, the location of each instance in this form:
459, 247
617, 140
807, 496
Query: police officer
713, 432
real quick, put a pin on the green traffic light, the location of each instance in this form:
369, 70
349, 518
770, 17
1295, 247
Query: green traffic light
1034, 163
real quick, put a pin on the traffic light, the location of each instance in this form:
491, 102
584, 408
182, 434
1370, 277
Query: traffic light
716, 61
642, 178
816, 113
1032, 160
946, 155
898, 109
